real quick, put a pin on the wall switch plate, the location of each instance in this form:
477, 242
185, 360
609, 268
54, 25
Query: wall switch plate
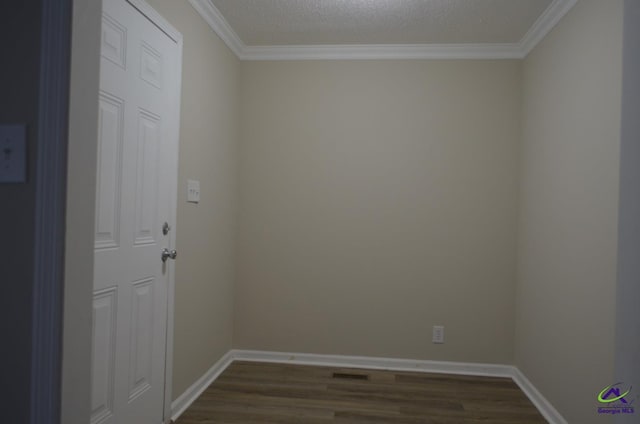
438, 334
193, 191
13, 153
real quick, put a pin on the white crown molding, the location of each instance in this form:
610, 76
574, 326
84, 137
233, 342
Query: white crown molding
371, 51
219, 25
543, 25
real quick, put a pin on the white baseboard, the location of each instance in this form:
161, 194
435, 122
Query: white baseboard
488, 370
412, 365
185, 400
545, 407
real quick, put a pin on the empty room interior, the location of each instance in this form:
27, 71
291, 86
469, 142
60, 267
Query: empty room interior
352, 197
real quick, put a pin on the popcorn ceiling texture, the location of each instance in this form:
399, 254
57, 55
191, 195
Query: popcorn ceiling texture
313, 22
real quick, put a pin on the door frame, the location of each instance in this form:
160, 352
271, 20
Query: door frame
50, 210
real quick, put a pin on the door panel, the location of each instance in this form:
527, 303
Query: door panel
136, 180
104, 330
114, 41
110, 142
141, 339
151, 66
147, 177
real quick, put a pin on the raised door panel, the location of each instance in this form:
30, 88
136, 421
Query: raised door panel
103, 356
142, 329
146, 195
109, 173
114, 41
150, 65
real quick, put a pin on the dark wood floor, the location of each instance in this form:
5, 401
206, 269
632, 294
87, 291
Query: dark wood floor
250, 392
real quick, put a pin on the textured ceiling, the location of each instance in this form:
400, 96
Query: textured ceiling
314, 22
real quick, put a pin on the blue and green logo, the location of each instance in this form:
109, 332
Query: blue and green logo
614, 399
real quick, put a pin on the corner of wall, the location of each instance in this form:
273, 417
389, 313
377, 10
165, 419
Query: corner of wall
567, 234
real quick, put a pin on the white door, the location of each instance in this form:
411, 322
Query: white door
136, 195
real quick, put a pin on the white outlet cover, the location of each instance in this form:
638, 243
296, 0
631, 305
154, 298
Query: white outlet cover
13, 153
193, 191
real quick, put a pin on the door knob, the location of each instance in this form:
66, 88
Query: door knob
168, 254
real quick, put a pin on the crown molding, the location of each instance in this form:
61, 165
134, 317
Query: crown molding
370, 52
219, 25
543, 25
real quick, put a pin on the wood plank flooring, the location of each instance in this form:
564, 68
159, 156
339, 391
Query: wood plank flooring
249, 392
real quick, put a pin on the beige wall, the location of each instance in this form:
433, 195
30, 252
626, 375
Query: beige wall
568, 209
378, 198
206, 232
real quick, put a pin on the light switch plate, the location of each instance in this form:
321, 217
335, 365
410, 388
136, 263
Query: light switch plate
193, 191
438, 334
13, 153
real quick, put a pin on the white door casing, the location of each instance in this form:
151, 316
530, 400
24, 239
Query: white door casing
136, 194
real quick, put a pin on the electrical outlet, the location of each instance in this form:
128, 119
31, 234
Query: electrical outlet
438, 334
193, 191
13, 153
